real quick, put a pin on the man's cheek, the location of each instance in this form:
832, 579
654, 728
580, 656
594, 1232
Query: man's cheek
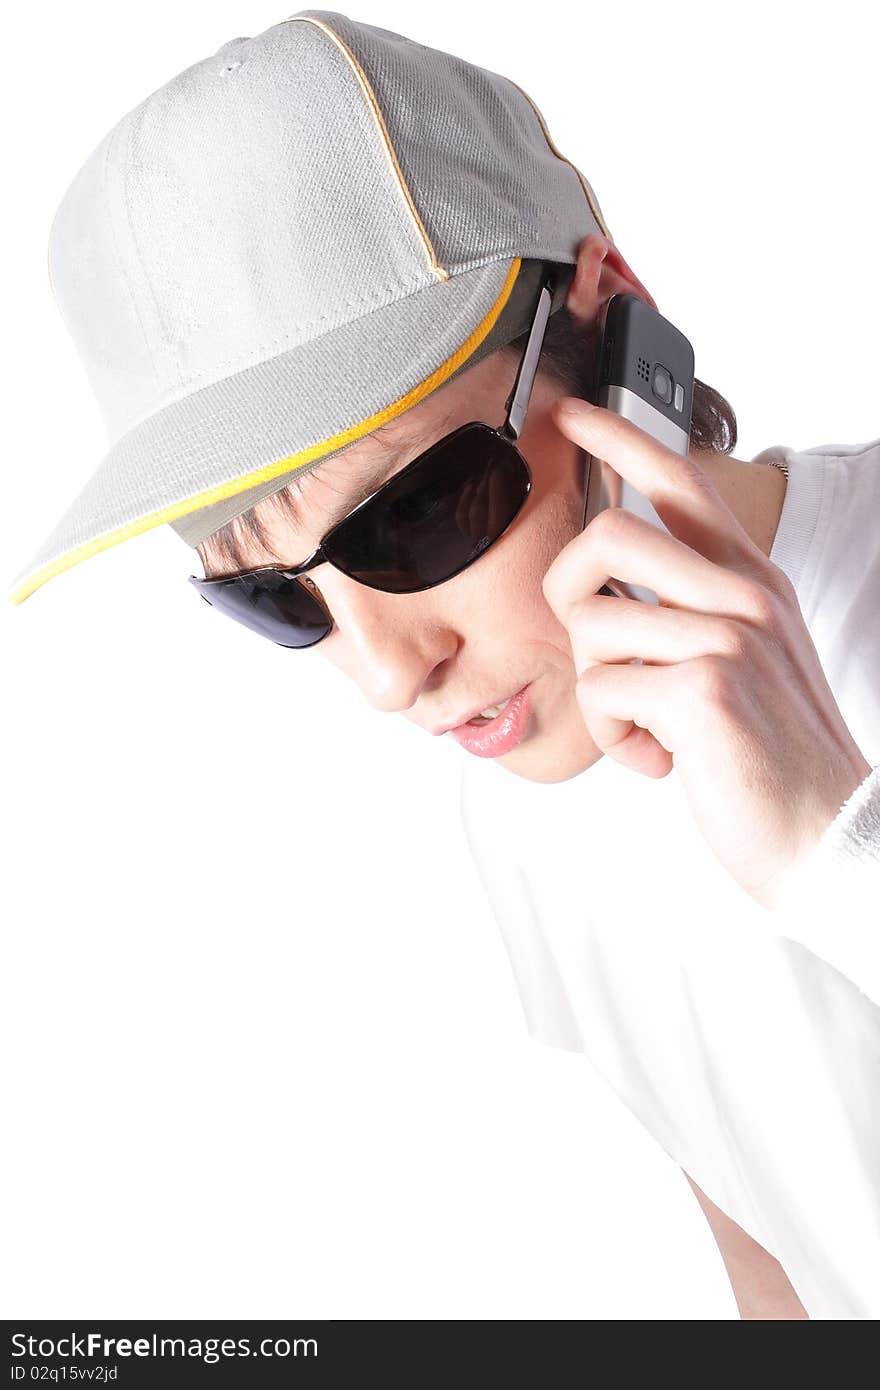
551, 528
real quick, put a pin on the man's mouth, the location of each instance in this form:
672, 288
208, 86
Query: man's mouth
490, 712
490, 734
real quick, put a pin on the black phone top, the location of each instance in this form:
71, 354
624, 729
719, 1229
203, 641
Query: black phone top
637, 341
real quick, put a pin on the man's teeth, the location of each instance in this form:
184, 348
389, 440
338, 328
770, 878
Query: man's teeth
493, 711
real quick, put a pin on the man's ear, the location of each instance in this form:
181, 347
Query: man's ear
601, 272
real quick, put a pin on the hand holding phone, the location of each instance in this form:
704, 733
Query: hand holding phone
701, 680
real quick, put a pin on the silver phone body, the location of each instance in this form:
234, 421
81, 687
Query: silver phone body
645, 341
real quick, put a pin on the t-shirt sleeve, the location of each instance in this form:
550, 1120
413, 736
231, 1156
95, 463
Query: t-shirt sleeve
831, 903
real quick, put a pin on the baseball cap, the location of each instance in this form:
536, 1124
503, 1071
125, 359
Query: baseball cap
284, 248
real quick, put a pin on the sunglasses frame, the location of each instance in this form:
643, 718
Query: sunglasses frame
516, 408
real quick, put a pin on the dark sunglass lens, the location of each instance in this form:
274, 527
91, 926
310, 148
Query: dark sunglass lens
436, 517
282, 609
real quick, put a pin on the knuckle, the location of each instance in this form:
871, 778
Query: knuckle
608, 525
779, 584
732, 640
759, 604
586, 681
553, 585
710, 679
690, 474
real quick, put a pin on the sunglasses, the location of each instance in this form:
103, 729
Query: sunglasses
432, 520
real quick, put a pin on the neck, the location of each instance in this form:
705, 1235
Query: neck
754, 492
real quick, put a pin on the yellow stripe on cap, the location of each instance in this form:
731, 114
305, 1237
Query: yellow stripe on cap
272, 470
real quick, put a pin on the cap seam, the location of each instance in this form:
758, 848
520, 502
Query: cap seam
588, 192
379, 120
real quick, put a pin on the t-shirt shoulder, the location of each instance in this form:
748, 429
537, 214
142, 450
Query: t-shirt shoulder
784, 452
823, 541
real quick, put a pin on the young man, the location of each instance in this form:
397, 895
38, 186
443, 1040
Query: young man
328, 250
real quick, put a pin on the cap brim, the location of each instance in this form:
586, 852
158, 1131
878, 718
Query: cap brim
276, 417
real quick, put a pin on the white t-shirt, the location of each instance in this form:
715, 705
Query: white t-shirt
752, 1058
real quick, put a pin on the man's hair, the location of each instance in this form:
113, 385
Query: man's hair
569, 356
570, 353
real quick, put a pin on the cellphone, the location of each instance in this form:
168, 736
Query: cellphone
644, 372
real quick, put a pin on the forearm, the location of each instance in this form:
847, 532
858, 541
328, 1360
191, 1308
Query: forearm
760, 1285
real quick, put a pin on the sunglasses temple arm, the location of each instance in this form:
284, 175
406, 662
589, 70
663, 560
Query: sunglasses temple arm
518, 401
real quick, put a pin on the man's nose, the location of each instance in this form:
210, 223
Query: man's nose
388, 643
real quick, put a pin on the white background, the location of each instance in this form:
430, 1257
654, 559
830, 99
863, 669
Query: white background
263, 1054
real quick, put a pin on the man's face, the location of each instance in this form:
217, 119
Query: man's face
435, 656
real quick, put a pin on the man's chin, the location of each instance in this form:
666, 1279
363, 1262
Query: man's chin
552, 757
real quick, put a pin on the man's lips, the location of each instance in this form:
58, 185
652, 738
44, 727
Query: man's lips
495, 737
477, 709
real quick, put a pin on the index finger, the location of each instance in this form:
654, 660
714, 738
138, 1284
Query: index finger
679, 489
